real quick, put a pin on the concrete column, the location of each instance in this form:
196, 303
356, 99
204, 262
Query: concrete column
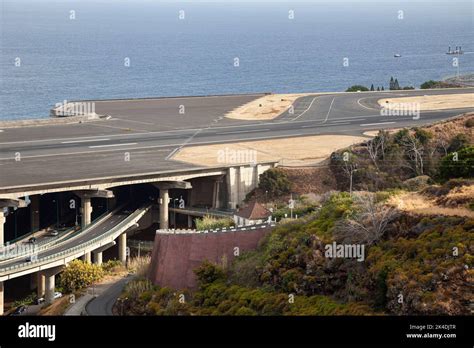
40, 285
123, 248
49, 289
164, 215
98, 258
34, 213
215, 195
233, 187
2, 224
87, 257
190, 221
86, 211
1, 298
33, 281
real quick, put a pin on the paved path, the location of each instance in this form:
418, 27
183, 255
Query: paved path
104, 302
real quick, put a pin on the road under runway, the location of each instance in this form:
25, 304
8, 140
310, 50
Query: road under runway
148, 131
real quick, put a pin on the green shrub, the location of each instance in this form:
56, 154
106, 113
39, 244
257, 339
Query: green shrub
356, 88
78, 275
275, 182
469, 123
463, 167
211, 223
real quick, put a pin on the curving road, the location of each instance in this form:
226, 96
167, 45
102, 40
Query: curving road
149, 131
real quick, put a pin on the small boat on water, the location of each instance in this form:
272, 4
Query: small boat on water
397, 55
458, 50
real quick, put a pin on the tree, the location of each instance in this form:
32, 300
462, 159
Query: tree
383, 89
378, 89
458, 142
357, 88
391, 84
376, 147
396, 86
372, 87
275, 182
369, 224
429, 84
458, 164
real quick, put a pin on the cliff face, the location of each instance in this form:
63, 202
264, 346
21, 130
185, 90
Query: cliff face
176, 255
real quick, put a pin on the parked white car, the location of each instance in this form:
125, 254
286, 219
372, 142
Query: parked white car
57, 294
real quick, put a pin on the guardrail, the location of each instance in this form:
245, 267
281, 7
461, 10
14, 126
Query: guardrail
45, 244
134, 217
219, 230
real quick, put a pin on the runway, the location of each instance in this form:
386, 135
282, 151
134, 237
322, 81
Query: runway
142, 134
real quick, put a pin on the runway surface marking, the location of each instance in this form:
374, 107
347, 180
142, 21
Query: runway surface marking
249, 131
82, 141
330, 106
111, 145
376, 124
309, 107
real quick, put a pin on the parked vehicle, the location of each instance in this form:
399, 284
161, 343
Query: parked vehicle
57, 294
39, 301
19, 310
54, 233
32, 240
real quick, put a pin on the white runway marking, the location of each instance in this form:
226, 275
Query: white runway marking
82, 141
309, 107
249, 131
330, 106
376, 124
111, 145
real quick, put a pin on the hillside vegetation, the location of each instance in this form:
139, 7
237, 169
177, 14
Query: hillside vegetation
410, 212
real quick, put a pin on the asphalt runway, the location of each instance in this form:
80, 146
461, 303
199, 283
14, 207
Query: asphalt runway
148, 131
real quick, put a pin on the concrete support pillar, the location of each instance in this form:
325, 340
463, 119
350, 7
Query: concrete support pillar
49, 288
98, 258
35, 213
215, 194
33, 281
190, 221
123, 248
164, 215
87, 257
86, 211
1, 298
233, 187
112, 203
2, 225
41, 284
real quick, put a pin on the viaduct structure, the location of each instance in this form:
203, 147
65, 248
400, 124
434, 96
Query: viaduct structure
222, 188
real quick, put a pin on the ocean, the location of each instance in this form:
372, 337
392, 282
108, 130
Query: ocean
53, 51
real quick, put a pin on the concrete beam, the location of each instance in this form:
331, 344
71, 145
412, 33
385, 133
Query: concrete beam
95, 193
13, 203
167, 185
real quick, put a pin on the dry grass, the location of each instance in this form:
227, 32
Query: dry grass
435, 102
415, 203
264, 108
288, 151
139, 265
